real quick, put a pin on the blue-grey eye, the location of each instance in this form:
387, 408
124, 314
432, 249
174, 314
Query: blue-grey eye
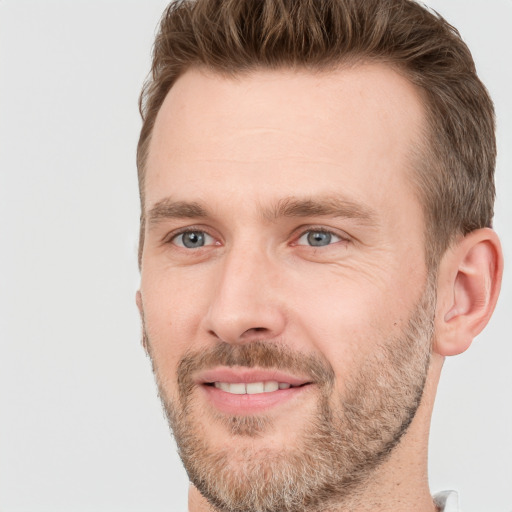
318, 238
193, 239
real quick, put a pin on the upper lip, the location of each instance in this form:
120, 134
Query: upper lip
248, 375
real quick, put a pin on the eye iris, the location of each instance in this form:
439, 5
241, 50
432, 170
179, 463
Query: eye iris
319, 238
193, 239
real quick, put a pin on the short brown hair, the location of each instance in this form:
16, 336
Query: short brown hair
455, 178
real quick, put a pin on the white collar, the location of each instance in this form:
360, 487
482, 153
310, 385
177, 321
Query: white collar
447, 501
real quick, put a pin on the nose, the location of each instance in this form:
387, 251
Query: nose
247, 303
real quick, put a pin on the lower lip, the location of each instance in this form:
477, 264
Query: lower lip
230, 403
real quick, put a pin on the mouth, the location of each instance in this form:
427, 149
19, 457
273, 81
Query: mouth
247, 391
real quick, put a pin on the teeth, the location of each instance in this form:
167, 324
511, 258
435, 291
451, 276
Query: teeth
255, 387
237, 389
251, 388
270, 386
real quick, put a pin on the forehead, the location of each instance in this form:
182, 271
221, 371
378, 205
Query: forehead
353, 128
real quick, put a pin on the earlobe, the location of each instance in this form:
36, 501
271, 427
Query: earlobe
469, 280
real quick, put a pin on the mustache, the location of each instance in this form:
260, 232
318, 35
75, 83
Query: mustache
255, 354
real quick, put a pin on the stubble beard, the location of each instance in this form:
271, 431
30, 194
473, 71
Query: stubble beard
340, 446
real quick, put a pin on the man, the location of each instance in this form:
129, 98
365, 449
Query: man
317, 193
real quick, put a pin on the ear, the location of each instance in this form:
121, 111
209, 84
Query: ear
138, 300
468, 285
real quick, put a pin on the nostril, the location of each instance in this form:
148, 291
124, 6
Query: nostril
254, 330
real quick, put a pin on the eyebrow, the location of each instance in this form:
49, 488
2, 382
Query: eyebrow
169, 209
330, 206
290, 207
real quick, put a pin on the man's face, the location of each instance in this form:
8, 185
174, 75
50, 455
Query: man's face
284, 289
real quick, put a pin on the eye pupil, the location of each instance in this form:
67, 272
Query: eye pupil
319, 238
193, 239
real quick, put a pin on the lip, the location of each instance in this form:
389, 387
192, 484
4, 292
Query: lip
232, 404
234, 375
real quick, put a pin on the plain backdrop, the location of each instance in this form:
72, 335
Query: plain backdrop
81, 428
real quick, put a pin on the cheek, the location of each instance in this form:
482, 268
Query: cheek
173, 309
337, 326
347, 319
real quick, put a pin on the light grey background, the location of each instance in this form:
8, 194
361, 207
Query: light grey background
81, 428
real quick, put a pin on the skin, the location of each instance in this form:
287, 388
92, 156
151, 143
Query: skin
240, 147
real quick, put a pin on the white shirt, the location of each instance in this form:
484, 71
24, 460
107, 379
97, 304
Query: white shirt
447, 501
